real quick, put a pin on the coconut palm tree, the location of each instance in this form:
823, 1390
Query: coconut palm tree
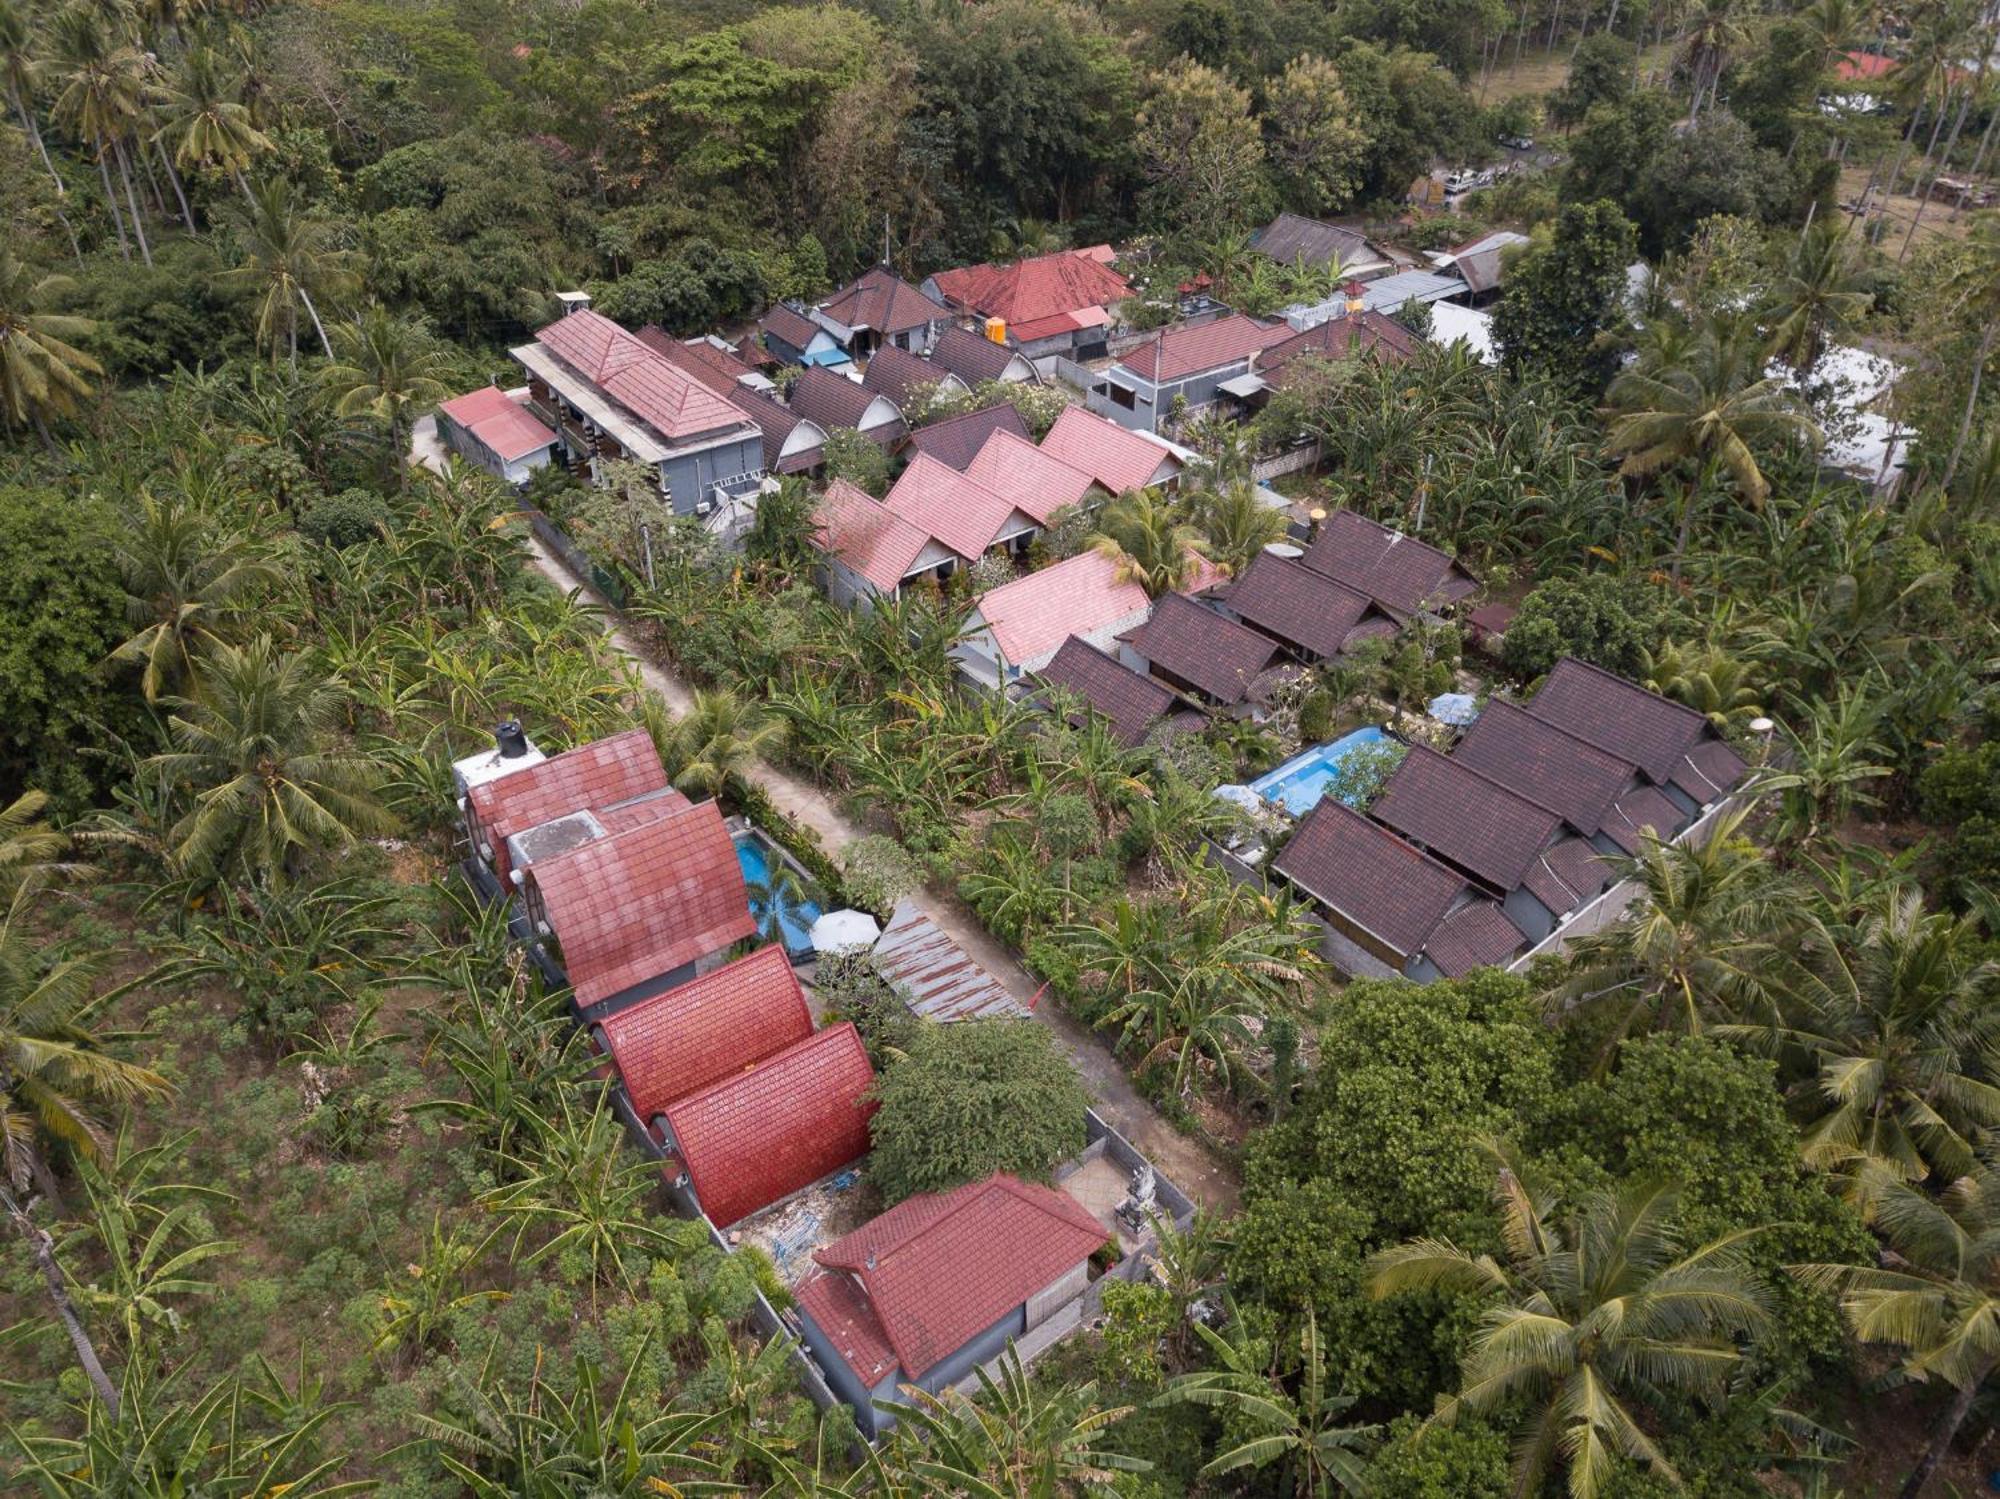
31, 851
1151, 542
776, 899
41, 371
251, 748
206, 123
1238, 524
289, 256
20, 77
385, 367
1709, 407
1714, 29
1594, 1308
1936, 1294
1816, 293
719, 739
1972, 288
104, 81
182, 581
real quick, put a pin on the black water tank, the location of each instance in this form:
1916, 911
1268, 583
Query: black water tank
512, 742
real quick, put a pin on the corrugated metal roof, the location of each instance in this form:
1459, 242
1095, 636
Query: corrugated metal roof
935, 976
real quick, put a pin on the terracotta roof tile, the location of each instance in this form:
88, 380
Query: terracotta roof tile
1388, 888
791, 326
956, 440
1081, 595
1465, 819
942, 502
1177, 352
1476, 935
1620, 716
1043, 287
882, 300
1541, 762
591, 776
665, 397
1038, 482
778, 423
1341, 338
1399, 572
633, 906
1303, 608
940, 1268
1118, 459
782, 1124
1128, 702
505, 426
867, 536
843, 1312
719, 368
1194, 643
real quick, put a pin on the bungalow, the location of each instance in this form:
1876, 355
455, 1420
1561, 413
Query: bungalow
1552, 768
1291, 239
956, 440
1129, 703
778, 1125
492, 431
1050, 304
1481, 263
1039, 483
1358, 333
964, 518
794, 338
1015, 630
831, 400
921, 1296
977, 360
1117, 457
1308, 613
642, 909
1190, 365
1677, 748
1404, 576
548, 806
1194, 650
880, 310
792, 443
899, 375
868, 552
1393, 908
608, 396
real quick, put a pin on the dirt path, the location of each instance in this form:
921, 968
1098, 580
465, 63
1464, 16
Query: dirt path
1191, 1166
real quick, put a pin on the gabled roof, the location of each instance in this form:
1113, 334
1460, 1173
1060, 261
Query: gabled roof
1544, 764
1038, 482
821, 396
934, 976
1305, 609
1402, 574
1642, 812
1341, 338
1479, 263
1177, 352
882, 300
1028, 290
711, 1028
640, 903
1710, 770
791, 326
602, 773
1567, 875
665, 397
956, 440
974, 358
1465, 819
1081, 595
1291, 236
1390, 889
1477, 935
1115, 457
505, 426
940, 1268
895, 372
1193, 642
1128, 702
780, 1125
706, 359
942, 502
1652, 732
867, 536
778, 424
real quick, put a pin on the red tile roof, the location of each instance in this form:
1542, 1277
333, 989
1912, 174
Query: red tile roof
600, 774
1192, 642
1128, 702
1863, 65
938, 1269
781, 1125
1397, 571
504, 426
1038, 482
1388, 888
970, 356
703, 1031
1301, 607
820, 395
638, 904
956, 440
1044, 287
1117, 458
1465, 819
867, 536
942, 502
1476, 935
1081, 595
717, 367
1587, 701
661, 394
1341, 338
1175, 353
882, 300
895, 373
1541, 762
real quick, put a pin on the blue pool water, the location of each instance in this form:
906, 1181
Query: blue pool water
796, 920
1300, 782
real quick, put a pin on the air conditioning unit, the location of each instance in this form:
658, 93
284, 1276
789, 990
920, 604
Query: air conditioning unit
704, 507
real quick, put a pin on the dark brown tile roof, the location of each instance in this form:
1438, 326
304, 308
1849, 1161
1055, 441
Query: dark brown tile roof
1194, 643
720, 368
956, 440
1477, 935
1640, 811
1620, 716
1291, 236
1367, 875
895, 372
776, 422
1341, 338
882, 300
1568, 875
791, 326
1465, 819
821, 396
1128, 702
1303, 608
1539, 761
1399, 572
970, 357
1710, 771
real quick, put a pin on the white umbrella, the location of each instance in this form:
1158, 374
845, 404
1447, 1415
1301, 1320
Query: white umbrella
1240, 796
844, 931
1454, 707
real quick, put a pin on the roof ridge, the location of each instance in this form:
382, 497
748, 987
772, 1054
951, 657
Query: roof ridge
1612, 676
764, 1064
1499, 786
1522, 710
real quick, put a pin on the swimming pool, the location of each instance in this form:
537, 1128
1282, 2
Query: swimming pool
797, 916
1300, 782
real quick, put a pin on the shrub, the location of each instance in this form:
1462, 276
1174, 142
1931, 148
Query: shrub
1358, 779
879, 872
345, 519
857, 459
1610, 621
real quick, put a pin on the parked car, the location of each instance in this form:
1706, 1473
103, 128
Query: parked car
1518, 142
